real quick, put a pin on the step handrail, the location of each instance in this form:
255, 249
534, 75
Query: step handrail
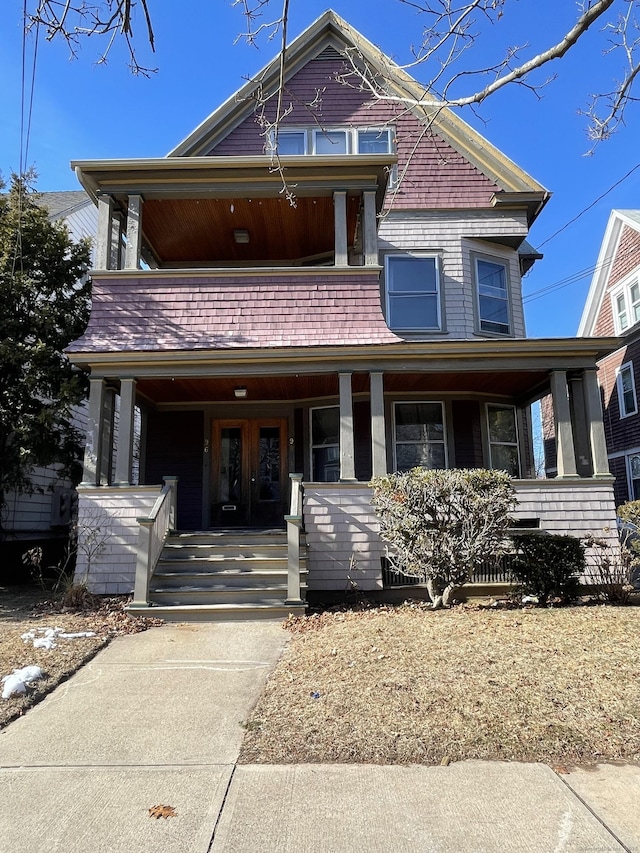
295, 524
152, 534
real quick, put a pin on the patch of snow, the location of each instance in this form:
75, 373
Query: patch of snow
17, 681
48, 637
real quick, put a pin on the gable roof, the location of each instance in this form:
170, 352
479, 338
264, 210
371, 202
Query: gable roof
61, 204
606, 257
331, 31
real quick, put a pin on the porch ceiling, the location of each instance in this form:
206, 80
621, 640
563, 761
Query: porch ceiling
299, 387
201, 230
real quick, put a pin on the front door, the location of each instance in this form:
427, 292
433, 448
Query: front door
249, 472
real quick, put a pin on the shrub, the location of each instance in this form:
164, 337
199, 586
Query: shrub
630, 512
611, 568
548, 566
441, 525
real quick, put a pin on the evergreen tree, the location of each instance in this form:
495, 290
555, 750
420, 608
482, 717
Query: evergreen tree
44, 305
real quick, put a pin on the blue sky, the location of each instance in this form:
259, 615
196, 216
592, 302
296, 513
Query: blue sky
85, 111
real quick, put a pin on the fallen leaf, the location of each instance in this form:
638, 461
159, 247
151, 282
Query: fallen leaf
162, 811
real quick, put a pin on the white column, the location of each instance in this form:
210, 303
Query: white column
595, 424
378, 428
95, 421
124, 454
134, 232
103, 260
340, 220
347, 455
369, 230
566, 458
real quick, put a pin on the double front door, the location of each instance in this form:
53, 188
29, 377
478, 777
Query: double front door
249, 472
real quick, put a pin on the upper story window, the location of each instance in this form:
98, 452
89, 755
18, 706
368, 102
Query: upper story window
412, 284
626, 305
418, 436
492, 294
333, 140
503, 439
627, 400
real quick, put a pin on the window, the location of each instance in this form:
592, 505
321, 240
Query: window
325, 444
413, 292
503, 439
493, 297
627, 401
292, 142
374, 141
633, 463
626, 305
330, 141
419, 436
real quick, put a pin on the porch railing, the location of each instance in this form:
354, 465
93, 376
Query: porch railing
152, 533
295, 524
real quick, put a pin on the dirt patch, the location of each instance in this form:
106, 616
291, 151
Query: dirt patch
27, 609
405, 685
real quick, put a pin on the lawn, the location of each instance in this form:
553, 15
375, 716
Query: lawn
405, 685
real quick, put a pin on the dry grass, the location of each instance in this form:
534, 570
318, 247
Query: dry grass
560, 686
27, 609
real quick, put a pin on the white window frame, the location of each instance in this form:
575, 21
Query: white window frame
381, 131
630, 478
437, 294
515, 443
624, 413
322, 132
631, 307
418, 403
500, 262
283, 131
313, 446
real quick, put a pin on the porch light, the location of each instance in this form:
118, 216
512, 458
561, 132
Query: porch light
240, 235
240, 392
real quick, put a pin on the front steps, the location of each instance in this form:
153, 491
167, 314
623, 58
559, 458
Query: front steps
223, 575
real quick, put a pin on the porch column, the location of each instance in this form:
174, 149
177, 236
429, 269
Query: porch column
595, 424
378, 430
117, 228
95, 421
106, 459
347, 456
103, 260
134, 232
124, 454
340, 223
370, 232
566, 458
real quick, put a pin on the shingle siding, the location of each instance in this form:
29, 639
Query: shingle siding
436, 175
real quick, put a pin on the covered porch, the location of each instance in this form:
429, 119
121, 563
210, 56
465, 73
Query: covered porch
233, 427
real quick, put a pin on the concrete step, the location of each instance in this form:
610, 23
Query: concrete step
220, 612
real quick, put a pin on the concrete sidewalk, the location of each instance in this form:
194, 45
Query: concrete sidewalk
155, 719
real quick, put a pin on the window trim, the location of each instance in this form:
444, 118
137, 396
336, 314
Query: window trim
627, 459
515, 444
419, 255
394, 439
313, 446
380, 131
628, 365
323, 131
271, 140
623, 290
504, 263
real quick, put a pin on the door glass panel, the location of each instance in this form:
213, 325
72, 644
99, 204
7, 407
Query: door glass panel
230, 464
269, 463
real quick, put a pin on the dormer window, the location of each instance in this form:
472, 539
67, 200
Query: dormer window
374, 141
292, 142
626, 305
332, 140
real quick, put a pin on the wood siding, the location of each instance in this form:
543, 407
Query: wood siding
437, 176
174, 447
455, 237
112, 569
627, 256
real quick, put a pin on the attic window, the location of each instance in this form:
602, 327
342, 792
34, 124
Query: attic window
626, 305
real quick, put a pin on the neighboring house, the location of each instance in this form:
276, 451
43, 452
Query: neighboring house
42, 518
375, 324
613, 308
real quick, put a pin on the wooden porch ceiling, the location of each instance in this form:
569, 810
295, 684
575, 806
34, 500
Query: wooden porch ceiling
300, 387
201, 230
